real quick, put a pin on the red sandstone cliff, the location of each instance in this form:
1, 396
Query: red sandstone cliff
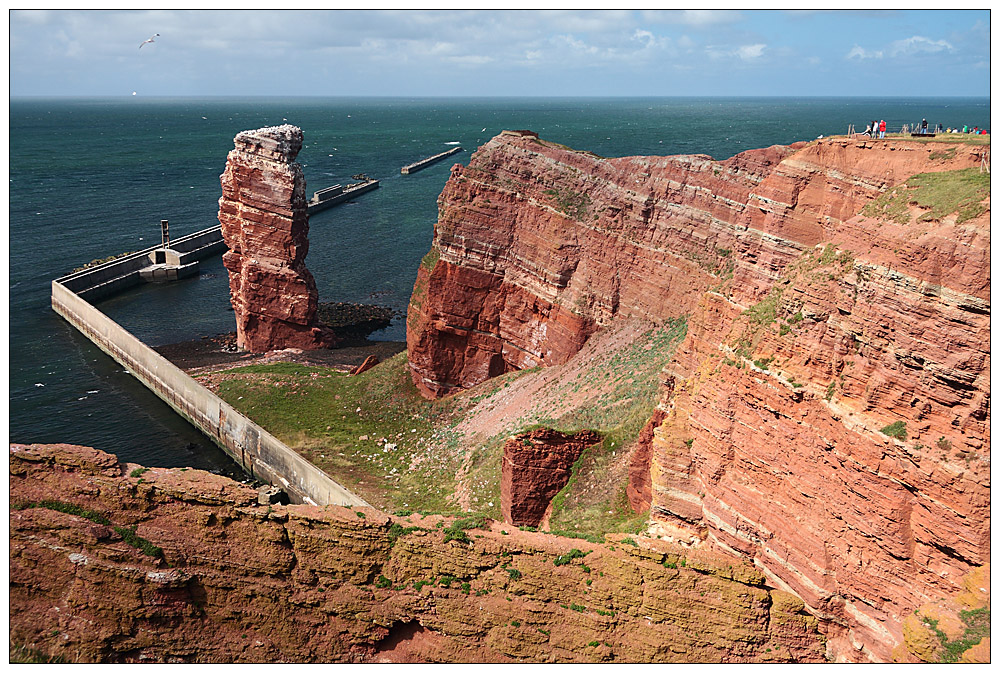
117, 563
266, 226
812, 327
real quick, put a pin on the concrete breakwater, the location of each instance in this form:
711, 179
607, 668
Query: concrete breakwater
120, 274
258, 453
424, 163
331, 196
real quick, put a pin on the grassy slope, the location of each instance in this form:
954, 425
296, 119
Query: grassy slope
377, 436
372, 432
612, 390
952, 138
942, 194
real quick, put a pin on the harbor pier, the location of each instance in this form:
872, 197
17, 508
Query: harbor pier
424, 163
331, 196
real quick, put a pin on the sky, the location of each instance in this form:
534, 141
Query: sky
500, 53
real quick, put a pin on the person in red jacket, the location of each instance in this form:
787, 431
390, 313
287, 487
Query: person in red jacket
881, 129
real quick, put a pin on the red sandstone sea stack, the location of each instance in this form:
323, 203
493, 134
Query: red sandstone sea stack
266, 226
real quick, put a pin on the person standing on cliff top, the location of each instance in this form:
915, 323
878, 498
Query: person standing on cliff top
881, 129
923, 127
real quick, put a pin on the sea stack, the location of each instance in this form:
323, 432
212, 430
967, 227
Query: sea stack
265, 224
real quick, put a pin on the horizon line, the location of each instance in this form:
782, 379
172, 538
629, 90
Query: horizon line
490, 97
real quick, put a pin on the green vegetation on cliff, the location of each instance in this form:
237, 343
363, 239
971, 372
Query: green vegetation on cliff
940, 194
372, 432
375, 433
977, 626
570, 203
896, 430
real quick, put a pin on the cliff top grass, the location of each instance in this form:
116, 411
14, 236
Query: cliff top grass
958, 138
961, 138
941, 194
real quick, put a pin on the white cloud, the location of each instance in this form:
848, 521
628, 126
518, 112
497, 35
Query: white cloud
575, 44
205, 39
33, 16
749, 52
648, 40
207, 50
861, 53
916, 45
471, 59
911, 46
746, 52
643, 36
693, 17
708, 17
579, 22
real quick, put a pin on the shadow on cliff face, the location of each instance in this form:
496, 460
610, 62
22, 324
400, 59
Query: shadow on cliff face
405, 643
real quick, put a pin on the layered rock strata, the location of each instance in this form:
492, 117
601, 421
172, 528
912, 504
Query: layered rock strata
534, 468
264, 222
117, 563
537, 246
827, 415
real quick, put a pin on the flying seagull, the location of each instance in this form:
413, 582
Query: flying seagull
149, 41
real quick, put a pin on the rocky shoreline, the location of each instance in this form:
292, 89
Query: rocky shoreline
219, 352
353, 324
351, 321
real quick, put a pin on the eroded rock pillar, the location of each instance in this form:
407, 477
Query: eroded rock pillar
536, 465
266, 226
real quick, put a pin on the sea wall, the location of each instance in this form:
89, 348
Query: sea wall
258, 452
424, 163
120, 274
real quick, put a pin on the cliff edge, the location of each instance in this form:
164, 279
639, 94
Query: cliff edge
120, 563
827, 415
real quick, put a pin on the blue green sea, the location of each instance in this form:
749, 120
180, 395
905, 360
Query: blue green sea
91, 178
